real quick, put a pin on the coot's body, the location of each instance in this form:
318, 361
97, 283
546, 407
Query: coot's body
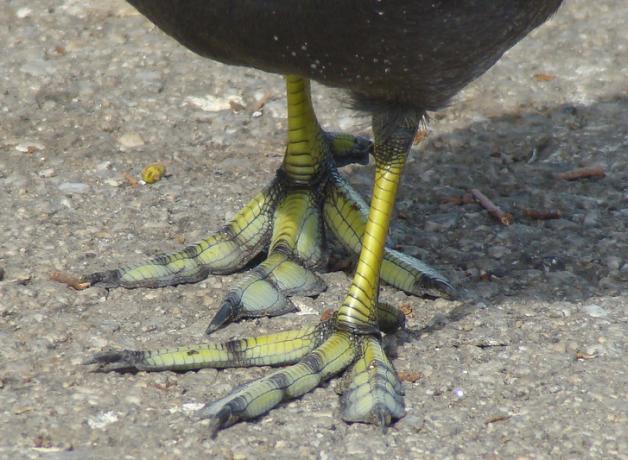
416, 53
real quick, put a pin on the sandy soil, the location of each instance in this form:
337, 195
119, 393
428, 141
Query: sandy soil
531, 365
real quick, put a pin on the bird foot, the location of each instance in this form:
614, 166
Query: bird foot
291, 223
372, 392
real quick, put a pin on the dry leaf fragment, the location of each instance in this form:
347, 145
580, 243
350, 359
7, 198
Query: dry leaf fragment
131, 180
406, 309
409, 376
420, 136
69, 280
327, 314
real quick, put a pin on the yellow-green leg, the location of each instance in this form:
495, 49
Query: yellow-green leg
373, 393
351, 338
306, 203
346, 213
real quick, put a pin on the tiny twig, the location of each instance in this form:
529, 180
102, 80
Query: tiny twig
496, 418
504, 217
467, 198
70, 280
581, 355
133, 182
544, 77
582, 173
542, 215
420, 136
262, 102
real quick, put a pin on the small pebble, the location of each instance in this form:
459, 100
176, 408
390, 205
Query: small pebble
346, 123
191, 408
595, 311
613, 263
551, 264
23, 12
112, 182
130, 140
497, 251
29, 147
46, 173
103, 166
591, 218
441, 222
416, 422
211, 103
38, 68
133, 400
595, 350
101, 420
74, 187
23, 279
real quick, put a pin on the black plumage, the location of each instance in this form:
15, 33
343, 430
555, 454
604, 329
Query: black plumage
414, 54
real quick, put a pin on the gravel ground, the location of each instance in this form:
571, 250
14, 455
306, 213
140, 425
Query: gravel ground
531, 365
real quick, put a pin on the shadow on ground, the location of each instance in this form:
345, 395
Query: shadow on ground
514, 159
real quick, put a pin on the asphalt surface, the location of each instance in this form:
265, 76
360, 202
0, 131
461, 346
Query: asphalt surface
532, 364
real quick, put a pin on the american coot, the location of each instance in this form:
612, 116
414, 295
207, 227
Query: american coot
396, 59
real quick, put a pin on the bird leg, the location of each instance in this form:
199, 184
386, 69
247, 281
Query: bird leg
350, 338
291, 220
374, 393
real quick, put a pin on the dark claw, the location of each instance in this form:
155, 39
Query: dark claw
381, 416
359, 154
437, 288
108, 278
363, 148
120, 361
227, 312
239, 303
223, 418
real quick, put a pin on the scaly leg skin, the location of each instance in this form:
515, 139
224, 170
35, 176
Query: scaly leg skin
351, 338
290, 219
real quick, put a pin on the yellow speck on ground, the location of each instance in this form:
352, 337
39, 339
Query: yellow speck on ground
153, 172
